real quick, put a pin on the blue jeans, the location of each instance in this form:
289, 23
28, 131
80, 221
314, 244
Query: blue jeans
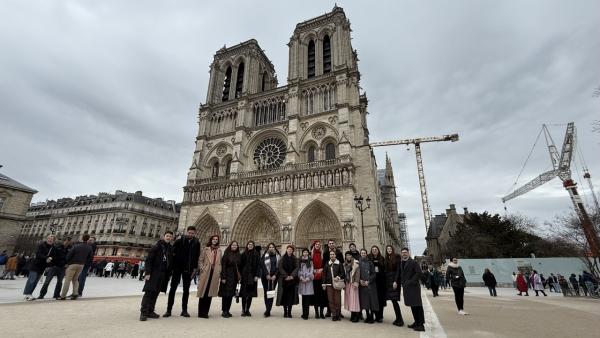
59, 273
82, 277
32, 280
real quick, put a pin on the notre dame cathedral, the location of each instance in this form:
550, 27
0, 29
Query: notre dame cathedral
283, 164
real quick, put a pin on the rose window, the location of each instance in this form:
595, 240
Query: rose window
270, 153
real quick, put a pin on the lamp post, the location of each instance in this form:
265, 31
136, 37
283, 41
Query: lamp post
358, 204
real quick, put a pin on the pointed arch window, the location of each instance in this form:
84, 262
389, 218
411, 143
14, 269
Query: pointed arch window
311, 154
330, 151
215, 169
227, 168
263, 85
239, 83
226, 84
311, 59
326, 55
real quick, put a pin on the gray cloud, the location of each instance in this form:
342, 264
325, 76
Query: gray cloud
104, 95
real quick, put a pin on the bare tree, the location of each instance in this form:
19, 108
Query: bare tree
568, 228
596, 126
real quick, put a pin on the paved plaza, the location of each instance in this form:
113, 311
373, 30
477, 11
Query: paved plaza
110, 307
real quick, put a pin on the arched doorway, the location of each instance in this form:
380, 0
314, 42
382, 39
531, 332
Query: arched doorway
206, 226
259, 223
317, 222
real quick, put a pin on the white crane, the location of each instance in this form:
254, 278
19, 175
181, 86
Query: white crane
417, 142
561, 167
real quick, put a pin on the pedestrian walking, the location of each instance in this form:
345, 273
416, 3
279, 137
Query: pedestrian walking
158, 269
186, 251
320, 297
351, 280
574, 283
408, 277
209, 269
43, 257
392, 264
230, 276
250, 268
142, 269
11, 267
435, 280
538, 285
333, 282
490, 281
287, 288
270, 271
306, 276
77, 257
135, 271
456, 276
380, 280
367, 290
56, 269
522, 284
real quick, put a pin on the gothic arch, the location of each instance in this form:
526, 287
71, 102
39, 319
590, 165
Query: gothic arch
211, 155
206, 226
307, 135
257, 222
317, 222
261, 135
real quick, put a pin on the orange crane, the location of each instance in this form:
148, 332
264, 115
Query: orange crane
417, 142
561, 167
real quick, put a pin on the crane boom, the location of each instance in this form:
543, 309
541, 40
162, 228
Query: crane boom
422, 185
566, 154
536, 182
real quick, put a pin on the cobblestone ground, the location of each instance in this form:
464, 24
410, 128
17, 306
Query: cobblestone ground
97, 315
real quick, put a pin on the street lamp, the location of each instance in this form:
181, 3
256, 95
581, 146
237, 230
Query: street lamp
358, 204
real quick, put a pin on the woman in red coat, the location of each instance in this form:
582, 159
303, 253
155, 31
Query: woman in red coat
522, 284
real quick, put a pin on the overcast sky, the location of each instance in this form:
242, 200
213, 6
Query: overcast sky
103, 95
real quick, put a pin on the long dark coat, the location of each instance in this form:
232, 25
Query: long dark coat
489, 279
409, 277
250, 269
229, 273
367, 294
159, 264
391, 270
456, 276
380, 279
281, 277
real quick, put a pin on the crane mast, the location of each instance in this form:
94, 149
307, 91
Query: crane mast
421, 173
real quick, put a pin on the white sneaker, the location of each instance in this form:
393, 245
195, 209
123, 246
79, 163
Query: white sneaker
463, 313
29, 298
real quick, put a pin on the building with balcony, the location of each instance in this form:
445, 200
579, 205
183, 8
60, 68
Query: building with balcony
283, 164
124, 224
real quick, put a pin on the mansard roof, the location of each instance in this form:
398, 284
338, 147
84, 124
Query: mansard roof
10, 183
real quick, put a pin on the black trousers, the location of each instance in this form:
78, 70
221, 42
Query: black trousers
204, 302
268, 285
149, 302
459, 297
226, 304
187, 280
418, 315
492, 290
435, 288
307, 301
246, 303
397, 310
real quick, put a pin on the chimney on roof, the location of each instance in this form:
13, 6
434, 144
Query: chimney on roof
139, 193
466, 210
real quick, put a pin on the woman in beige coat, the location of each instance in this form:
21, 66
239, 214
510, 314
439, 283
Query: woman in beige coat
209, 270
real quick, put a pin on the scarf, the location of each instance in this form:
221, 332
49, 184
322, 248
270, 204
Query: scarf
317, 259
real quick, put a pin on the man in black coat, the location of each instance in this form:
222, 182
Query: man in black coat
158, 268
43, 256
56, 269
408, 277
186, 251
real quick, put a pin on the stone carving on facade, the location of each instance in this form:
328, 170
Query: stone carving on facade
285, 234
304, 125
203, 115
348, 233
225, 236
209, 145
221, 150
319, 132
285, 128
248, 133
333, 119
233, 140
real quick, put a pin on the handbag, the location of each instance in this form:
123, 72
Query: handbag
271, 293
339, 284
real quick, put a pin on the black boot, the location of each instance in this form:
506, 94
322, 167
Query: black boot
289, 312
317, 312
322, 314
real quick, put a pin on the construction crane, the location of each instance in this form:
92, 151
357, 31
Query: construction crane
417, 142
561, 168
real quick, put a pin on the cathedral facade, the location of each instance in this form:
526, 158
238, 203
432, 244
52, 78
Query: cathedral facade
284, 164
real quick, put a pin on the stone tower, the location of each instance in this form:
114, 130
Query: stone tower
283, 164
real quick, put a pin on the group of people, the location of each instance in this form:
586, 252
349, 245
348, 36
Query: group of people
64, 260
585, 284
317, 278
